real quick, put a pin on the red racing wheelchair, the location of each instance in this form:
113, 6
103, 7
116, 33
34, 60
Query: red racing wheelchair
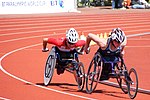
64, 61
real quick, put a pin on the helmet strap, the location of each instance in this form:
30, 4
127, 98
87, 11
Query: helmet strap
66, 42
113, 43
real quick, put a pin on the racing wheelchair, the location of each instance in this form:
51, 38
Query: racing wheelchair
62, 61
102, 68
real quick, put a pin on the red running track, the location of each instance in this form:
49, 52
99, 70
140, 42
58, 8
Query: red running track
22, 62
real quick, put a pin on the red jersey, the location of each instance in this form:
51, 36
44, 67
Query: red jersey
61, 43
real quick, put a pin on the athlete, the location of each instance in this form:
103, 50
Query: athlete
65, 46
109, 48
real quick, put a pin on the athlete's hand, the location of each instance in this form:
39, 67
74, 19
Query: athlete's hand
87, 50
79, 51
45, 50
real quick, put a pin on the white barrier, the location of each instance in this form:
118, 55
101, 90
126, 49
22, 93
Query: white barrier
36, 6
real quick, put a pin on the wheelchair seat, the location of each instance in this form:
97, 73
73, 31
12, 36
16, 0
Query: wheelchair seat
64, 57
108, 66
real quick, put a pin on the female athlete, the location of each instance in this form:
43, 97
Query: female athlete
108, 48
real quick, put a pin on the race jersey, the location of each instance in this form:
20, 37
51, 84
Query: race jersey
109, 54
61, 44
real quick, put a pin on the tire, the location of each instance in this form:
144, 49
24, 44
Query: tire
93, 74
122, 82
81, 79
133, 86
123, 85
49, 67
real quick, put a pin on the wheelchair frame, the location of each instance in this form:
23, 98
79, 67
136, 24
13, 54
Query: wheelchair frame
72, 65
121, 72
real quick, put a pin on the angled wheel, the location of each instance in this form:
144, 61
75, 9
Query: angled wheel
122, 81
133, 83
123, 85
93, 74
81, 76
50, 66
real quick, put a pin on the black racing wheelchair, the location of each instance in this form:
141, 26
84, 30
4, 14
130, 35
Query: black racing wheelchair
62, 61
102, 68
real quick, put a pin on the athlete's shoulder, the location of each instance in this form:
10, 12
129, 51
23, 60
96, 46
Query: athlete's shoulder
124, 43
81, 41
61, 39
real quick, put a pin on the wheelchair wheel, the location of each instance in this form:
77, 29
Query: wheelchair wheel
123, 85
93, 74
122, 81
50, 66
133, 83
81, 76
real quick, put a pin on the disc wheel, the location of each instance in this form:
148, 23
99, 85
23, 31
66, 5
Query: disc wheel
93, 74
49, 67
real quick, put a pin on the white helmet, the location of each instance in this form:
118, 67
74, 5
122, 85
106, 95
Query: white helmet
118, 35
72, 35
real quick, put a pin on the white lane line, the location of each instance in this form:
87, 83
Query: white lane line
145, 46
38, 36
139, 39
116, 85
23, 38
133, 35
49, 30
140, 34
63, 33
71, 18
28, 32
70, 22
4, 98
7, 54
91, 25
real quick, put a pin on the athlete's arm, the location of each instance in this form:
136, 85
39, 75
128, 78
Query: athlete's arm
123, 46
45, 45
80, 46
100, 42
80, 43
53, 41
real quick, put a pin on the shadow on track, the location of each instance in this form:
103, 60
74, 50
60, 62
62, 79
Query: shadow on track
67, 87
111, 93
57, 84
64, 86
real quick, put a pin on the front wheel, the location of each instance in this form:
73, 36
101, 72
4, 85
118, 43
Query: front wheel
80, 76
93, 74
50, 66
122, 80
133, 83
123, 85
